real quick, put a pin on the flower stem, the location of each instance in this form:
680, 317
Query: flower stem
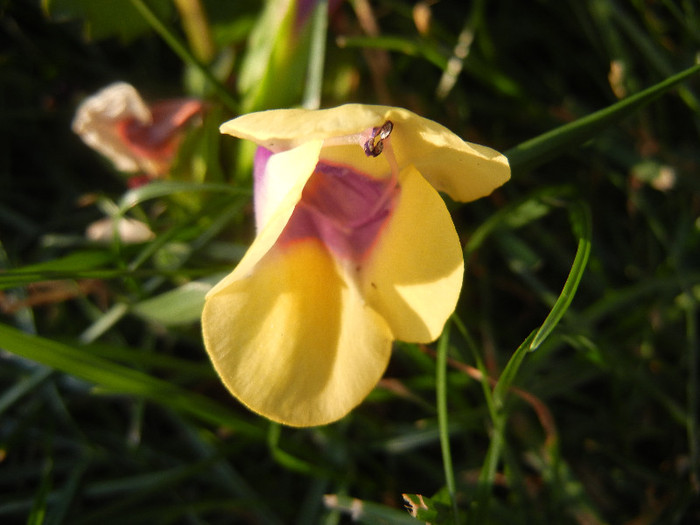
441, 394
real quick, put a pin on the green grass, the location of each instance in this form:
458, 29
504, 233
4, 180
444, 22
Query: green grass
564, 389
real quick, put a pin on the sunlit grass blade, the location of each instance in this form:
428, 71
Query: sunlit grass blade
481, 503
157, 189
120, 379
317, 55
542, 148
23, 387
517, 214
401, 45
289, 461
179, 306
76, 262
581, 222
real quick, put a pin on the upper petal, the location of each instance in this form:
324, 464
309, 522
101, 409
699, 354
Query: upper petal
285, 176
414, 276
463, 170
295, 341
280, 129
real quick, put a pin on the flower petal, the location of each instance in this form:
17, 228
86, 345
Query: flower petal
463, 170
295, 341
284, 179
414, 276
96, 119
281, 129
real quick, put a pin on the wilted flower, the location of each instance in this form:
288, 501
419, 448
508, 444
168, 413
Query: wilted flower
116, 122
129, 231
355, 248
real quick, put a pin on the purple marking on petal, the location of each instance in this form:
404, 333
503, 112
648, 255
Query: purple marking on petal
262, 155
343, 208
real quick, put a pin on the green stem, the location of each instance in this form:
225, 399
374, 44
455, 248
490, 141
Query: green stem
185, 54
443, 422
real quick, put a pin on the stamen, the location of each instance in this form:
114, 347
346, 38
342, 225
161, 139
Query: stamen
371, 140
372, 148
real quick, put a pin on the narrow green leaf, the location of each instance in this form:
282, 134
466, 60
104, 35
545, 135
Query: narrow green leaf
164, 188
581, 222
482, 500
75, 262
317, 55
23, 387
443, 419
154, 20
542, 148
120, 379
180, 306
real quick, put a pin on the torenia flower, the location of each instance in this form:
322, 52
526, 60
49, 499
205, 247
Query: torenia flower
117, 123
355, 248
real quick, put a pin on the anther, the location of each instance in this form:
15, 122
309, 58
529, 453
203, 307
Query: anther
372, 148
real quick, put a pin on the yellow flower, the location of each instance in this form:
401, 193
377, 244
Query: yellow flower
355, 248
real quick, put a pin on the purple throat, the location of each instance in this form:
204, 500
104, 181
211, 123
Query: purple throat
343, 208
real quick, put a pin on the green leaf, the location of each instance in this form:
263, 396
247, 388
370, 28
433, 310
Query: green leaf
276, 50
120, 379
443, 421
581, 222
542, 148
158, 189
182, 305
56, 268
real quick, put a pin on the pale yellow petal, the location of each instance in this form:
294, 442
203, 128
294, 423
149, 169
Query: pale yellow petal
295, 341
280, 129
463, 170
287, 173
414, 276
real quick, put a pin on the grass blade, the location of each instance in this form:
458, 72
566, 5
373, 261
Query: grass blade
542, 148
443, 420
120, 379
581, 220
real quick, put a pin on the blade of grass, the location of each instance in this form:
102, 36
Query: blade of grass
38, 512
289, 461
23, 387
542, 148
120, 379
443, 419
157, 189
184, 53
581, 221
317, 55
